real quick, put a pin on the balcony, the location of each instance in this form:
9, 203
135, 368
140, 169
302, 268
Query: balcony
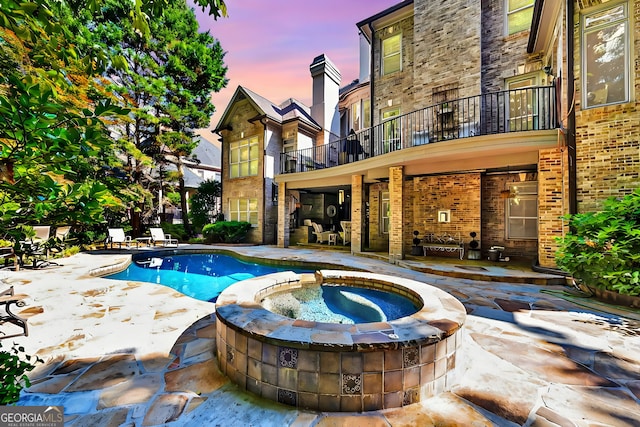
519, 110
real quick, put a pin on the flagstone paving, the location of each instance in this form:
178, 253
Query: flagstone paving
123, 353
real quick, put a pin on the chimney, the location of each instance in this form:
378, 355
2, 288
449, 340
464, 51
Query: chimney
326, 87
365, 59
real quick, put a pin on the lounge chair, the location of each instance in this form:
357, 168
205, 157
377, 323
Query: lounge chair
158, 236
7, 298
57, 243
117, 236
36, 247
321, 235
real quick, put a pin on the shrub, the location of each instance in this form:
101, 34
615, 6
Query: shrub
602, 248
13, 371
176, 230
226, 231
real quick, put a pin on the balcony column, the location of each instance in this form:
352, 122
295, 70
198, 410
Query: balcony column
283, 216
396, 246
357, 212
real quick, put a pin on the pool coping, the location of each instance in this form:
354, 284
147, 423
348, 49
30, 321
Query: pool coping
441, 315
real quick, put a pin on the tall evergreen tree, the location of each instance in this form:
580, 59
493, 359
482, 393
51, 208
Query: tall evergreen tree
168, 84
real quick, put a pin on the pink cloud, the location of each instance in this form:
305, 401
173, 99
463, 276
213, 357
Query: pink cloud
270, 44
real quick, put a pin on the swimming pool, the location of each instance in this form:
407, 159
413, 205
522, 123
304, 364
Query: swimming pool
201, 275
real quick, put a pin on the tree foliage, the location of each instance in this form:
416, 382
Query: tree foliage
205, 204
58, 153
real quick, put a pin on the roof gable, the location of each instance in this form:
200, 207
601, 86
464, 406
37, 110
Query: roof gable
290, 109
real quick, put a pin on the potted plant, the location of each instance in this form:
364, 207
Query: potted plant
474, 245
602, 250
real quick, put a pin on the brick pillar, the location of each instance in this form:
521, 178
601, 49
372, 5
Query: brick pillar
396, 246
357, 212
553, 202
283, 216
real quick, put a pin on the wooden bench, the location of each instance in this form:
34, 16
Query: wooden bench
444, 242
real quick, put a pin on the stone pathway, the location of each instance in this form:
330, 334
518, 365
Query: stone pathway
134, 354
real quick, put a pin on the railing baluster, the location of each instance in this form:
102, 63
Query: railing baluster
498, 112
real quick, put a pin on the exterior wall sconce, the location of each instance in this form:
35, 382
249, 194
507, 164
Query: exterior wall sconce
444, 216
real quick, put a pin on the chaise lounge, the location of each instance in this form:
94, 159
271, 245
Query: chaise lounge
7, 298
117, 236
158, 236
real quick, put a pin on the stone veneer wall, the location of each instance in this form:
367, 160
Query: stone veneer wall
502, 56
244, 187
336, 376
396, 89
447, 51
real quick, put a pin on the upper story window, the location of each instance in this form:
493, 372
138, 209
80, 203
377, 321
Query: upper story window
391, 57
605, 56
519, 15
356, 116
243, 158
366, 113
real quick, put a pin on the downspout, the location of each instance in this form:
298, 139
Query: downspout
371, 84
571, 116
264, 122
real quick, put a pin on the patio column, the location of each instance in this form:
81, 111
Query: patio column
283, 216
357, 212
553, 185
396, 246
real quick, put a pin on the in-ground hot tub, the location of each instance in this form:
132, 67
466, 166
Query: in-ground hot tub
332, 366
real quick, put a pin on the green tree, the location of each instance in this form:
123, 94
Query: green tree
168, 84
205, 204
57, 150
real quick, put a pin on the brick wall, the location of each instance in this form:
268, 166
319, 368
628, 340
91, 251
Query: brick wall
553, 188
396, 224
458, 193
494, 219
378, 241
607, 138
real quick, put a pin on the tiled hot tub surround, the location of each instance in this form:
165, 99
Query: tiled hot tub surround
338, 367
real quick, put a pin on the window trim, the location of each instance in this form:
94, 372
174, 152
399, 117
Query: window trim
248, 143
508, 13
384, 56
248, 211
626, 20
529, 195
385, 201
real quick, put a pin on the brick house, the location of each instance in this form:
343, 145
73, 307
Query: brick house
472, 125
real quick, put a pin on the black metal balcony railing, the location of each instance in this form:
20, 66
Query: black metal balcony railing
516, 110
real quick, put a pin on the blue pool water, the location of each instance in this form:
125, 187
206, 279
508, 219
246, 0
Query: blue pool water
200, 276
380, 306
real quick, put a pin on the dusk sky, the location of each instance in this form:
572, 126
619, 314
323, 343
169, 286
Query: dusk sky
270, 44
